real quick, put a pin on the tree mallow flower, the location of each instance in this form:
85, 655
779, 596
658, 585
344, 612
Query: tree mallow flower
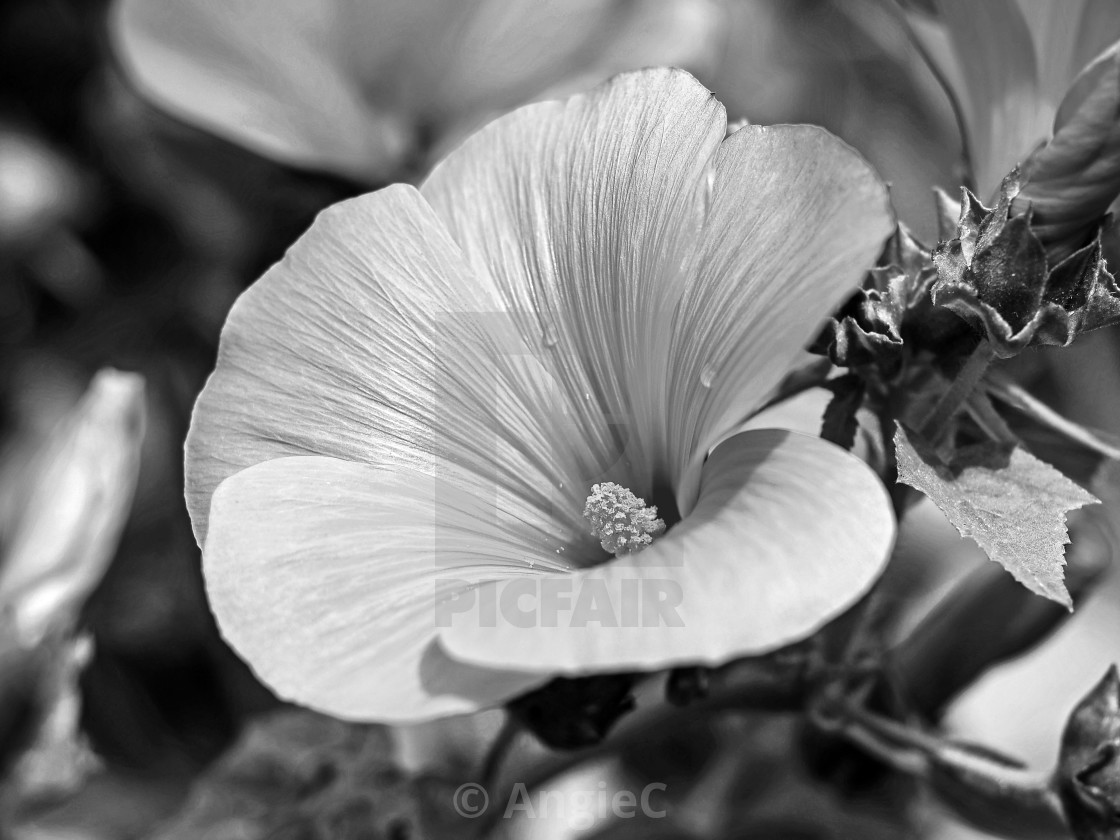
355, 86
411, 410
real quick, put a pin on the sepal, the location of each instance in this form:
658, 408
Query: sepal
893, 308
996, 275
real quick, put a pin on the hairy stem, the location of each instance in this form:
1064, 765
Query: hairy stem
963, 385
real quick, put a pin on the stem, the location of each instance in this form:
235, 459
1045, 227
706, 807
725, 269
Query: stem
965, 383
986, 790
764, 684
499, 751
979, 406
986, 619
1015, 395
901, 495
969, 175
708, 809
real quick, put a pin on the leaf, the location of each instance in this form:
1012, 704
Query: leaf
1011, 503
839, 424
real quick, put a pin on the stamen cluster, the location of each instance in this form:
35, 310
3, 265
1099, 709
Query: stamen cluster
622, 521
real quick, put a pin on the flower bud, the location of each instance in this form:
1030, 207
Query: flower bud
1088, 776
1072, 180
78, 492
893, 307
997, 276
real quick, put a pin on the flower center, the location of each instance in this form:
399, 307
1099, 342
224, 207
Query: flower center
623, 523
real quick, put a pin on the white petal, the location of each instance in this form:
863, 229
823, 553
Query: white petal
797, 217
506, 53
347, 85
271, 76
1067, 35
324, 575
373, 342
1073, 179
788, 532
1007, 115
582, 212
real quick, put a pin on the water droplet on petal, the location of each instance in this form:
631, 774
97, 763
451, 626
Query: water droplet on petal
549, 336
707, 375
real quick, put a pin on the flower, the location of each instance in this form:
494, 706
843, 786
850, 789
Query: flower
355, 87
416, 402
61, 514
1039, 85
67, 508
39, 189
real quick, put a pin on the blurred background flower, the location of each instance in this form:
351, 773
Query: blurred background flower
1035, 84
368, 89
62, 508
1009, 64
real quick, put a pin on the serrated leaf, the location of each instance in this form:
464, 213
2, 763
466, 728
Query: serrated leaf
1011, 503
